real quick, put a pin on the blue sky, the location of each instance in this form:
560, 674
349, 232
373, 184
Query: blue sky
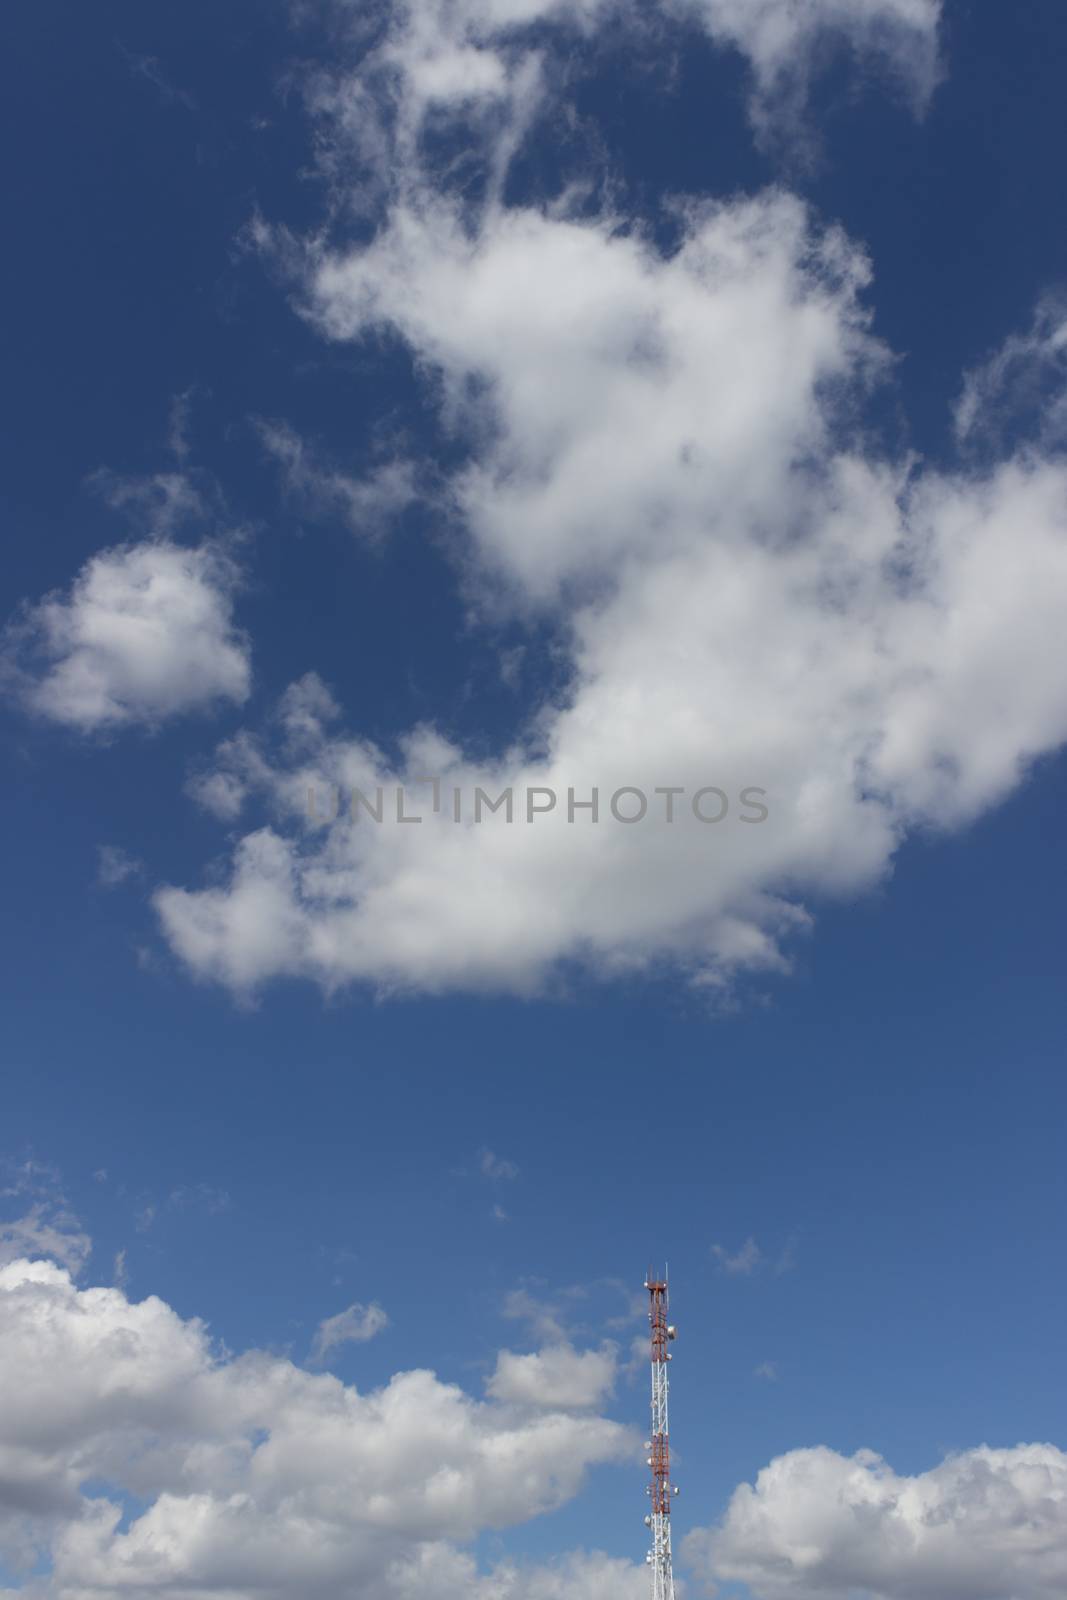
647, 385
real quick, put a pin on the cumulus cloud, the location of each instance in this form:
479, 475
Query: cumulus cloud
558, 1377
355, 1325
137, 1456
666, 459
751, 601
250, 1475
625, 388
144, 633
984, 1525
442, 1574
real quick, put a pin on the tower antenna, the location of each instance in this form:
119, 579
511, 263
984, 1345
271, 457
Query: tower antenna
660, 1489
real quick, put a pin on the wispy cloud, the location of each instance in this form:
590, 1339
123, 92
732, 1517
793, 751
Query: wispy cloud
743, 1262
750, 1258
148, 68
544, 1317
355, 1325
635, 1308
115, 866
178, 425
205, 1199
367, 504
37, 1221
496, 1167
201, 1197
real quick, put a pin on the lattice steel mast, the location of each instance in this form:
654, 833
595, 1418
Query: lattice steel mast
660, 1490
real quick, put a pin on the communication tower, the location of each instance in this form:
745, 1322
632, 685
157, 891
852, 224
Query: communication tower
661, 1491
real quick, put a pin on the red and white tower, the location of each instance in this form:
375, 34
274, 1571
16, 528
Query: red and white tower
661, 1489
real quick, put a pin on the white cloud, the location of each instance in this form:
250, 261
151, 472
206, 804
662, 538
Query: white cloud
438, 63
634, 402
355, 1325
144, 633
666, 462
984, 1525
442, 1574
255, 1476
250, 1475
559, 1376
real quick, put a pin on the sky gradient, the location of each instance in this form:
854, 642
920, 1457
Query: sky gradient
555, 393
